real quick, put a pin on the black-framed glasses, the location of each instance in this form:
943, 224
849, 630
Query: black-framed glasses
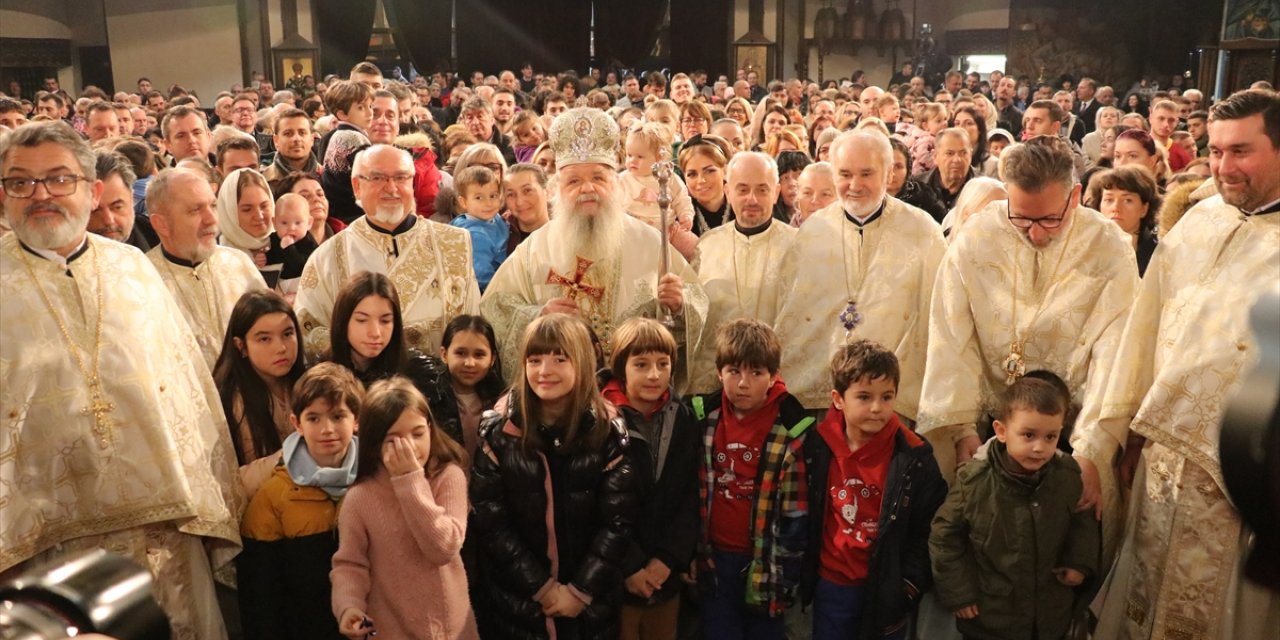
1048, 223
60, 185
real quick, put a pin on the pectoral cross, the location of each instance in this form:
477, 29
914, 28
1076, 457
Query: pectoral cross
1014, 367
850, 318
99, 407
575, 286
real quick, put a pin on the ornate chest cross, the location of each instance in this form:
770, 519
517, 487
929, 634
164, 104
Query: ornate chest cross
575, 286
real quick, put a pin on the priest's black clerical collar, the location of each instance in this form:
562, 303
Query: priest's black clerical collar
178, 261
404, 225
1274, 207
53, 256
737, 225
871, 218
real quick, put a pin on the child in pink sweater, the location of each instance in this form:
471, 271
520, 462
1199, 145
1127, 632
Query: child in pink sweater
398, 570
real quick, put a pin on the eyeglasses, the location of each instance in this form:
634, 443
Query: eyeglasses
62, 185
1048, 223
492, 166
399, 180
692, 121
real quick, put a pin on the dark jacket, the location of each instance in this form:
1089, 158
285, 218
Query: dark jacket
431, 377
998, 538
898, 571
933, 180
667, 524
920, 196
500, 141
782, 532
590, 513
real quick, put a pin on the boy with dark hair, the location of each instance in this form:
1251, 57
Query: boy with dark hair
873, 490
1008, 547
754, 504
290, 527
664, 455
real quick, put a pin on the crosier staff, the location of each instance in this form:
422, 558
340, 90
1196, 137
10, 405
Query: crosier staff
662, 170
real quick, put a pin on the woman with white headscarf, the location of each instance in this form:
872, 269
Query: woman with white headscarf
246, 213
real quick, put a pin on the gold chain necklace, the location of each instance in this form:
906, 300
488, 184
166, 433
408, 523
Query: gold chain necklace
738, 287
99, 407
1015, 365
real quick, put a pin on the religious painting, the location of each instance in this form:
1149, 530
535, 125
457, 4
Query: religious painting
287, 66
754, 57
1251, 20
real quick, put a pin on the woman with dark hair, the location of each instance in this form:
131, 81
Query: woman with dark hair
910, 190
983, 163
1130, 197
570, 86
307, 185
261, 358
1135, 103
790, 166
1137, 147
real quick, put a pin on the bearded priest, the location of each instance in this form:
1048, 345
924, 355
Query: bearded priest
592, 260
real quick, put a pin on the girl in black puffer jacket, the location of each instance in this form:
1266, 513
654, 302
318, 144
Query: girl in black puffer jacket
552, 496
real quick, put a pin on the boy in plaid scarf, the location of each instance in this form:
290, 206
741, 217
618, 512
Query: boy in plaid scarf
754, 505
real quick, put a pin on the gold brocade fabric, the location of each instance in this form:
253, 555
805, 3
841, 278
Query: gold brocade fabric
168, 458
740, 274
433, 274
629, 282
207, 294
1081, 311
1181, 357
888, 269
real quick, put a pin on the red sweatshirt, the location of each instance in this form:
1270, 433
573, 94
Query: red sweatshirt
738, 442
855, 489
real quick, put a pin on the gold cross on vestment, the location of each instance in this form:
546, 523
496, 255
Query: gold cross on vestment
575, 286
99, 407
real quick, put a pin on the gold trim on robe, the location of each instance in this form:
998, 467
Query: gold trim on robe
1181, 358
214, 285
519, 290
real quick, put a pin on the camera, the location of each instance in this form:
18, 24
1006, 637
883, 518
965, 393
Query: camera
90, 592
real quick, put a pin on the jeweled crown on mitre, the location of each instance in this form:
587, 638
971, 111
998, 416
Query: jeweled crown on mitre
584, 136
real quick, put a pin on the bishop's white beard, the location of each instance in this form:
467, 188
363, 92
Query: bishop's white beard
48, 234
596, 236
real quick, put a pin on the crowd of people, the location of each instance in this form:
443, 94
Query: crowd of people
547, 356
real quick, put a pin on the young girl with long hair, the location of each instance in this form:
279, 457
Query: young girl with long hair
553, 497
261, 359
398, 570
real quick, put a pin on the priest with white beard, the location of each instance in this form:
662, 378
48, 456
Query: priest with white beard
430, 263
592, 260
113, 434
738, 263
862, 268
205, 278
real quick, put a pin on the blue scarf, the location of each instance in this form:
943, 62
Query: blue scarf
305, 472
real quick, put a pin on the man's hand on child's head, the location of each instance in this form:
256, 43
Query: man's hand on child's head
967, 613
1069, 577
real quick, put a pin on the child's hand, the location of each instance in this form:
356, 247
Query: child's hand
658, 572
967, 613
350, 624
260, 258
638, 584
398, 457
1069, 577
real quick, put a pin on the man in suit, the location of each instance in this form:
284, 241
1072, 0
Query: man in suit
1087, 108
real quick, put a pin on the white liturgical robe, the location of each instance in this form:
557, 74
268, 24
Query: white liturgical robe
739, 271
206, 293
885, 266
124, 447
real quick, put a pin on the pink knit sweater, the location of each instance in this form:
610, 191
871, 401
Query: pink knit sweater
398, 556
